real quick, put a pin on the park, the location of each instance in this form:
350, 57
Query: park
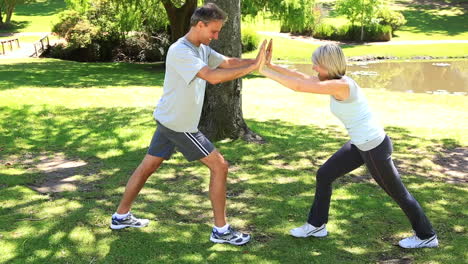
79, 81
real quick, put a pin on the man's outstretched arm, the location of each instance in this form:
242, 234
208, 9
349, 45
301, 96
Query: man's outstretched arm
232, 68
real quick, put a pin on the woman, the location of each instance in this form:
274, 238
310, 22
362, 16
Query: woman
369, 144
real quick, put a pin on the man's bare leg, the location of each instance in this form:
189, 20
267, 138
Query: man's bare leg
218, 176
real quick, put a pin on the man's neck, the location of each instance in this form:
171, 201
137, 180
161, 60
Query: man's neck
191, 36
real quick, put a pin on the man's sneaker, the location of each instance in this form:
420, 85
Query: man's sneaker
416, 242
231, 236
128, 221
309, 230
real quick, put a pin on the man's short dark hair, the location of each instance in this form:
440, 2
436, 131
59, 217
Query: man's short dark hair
207, 13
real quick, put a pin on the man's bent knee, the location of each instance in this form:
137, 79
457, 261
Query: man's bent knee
216, 162
151, 163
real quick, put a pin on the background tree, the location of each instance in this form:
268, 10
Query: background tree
222, 111
297, 16
6, 10
360, 11
137, 15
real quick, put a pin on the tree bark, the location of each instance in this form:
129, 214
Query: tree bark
179, 17
222, 110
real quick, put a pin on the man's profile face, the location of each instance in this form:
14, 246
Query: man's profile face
209, 31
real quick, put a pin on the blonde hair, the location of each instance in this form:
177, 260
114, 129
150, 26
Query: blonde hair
330, 57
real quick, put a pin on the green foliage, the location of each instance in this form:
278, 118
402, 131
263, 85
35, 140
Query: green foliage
297, 16
96, 29
141, 47
324, 31
6, 10
82, 34
348, 32
361, 11
250, 40
67, 21
149, 16
393, 18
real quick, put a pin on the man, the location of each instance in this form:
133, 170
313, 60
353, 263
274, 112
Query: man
190, 63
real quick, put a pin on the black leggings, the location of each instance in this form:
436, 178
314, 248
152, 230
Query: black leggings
380, 165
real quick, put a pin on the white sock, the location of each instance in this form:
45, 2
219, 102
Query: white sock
120, 216
222, 229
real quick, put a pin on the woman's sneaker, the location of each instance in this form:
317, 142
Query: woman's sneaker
128, 221
416, 242
231, 236
309, 230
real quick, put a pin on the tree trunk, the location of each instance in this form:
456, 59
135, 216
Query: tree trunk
9, 7
179, 17
1, 13
222, 110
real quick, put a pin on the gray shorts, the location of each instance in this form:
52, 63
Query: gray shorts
194, 146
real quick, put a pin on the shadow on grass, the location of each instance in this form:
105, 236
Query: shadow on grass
422, 19
40, 8
270, 190
58, 73
34, 8
6, 29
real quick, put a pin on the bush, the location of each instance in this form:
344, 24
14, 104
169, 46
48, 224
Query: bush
374, 32
249, 40
67, 20
325, 31
377, 32
392, 18
141, 47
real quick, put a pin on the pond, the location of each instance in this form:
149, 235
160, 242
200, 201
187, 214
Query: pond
436, 77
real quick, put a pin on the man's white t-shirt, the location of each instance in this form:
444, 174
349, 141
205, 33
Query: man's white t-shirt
180, 106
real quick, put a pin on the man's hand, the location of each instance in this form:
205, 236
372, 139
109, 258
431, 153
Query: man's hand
260, 55
269, 53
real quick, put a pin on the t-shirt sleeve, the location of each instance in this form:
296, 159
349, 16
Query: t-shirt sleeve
215, 59
185, 62
353, 92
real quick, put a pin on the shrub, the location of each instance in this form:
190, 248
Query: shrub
373, 32
250, 40
392, 18
325, 31
141, 47
377, 32
67, 20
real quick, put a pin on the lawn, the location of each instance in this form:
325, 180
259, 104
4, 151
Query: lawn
95, 119
426, 20
302, 51
36, 16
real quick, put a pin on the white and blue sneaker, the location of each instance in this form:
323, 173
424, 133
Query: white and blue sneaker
231, 236
129, 221
416, 242
308, 230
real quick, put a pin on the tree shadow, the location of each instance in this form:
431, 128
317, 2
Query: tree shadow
270, 190
40, 8
6, 29
422, 19
68, 74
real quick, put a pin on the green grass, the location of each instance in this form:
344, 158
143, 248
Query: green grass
440, 20
100, 113
302, 51
37, 16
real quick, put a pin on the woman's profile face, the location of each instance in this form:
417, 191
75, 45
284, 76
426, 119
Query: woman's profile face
322, 72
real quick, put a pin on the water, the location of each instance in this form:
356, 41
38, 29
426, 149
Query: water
436, 77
